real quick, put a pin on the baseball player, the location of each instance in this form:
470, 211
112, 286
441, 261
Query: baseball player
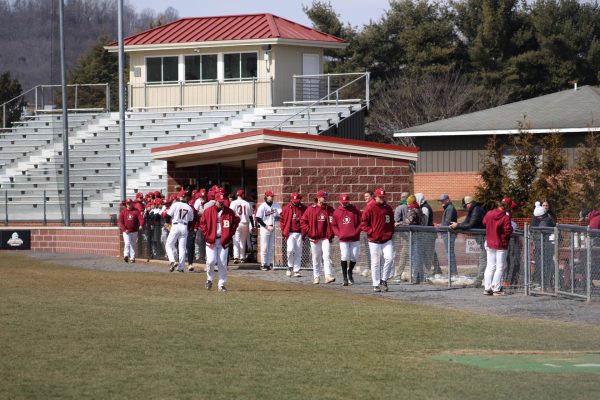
130, 222
346, 226
265, 217
242, 209
191, 240
378, 222
181, 214
316, 225
292, 233
218, 224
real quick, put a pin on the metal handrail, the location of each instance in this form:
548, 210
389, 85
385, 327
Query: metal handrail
327, 96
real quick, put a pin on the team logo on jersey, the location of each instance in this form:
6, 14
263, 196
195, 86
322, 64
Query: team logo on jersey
129, 216
294, 216
331, 219
387, 219
226, 224
346, 220
321, 217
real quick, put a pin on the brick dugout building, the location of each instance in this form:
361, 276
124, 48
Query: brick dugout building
287, 162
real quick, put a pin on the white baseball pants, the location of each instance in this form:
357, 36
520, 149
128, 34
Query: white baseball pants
130, 240
496, 261
239, 241
179, 232
294, 251
376, 250
217, 256
267, 244
321, 257
349, 251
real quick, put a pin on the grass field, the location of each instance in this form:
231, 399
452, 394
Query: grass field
74, 333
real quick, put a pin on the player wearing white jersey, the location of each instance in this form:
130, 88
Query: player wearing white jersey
265, 217
242, 209
181, 215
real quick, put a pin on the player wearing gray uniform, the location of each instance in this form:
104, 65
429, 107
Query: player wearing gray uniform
181, 215
265, 217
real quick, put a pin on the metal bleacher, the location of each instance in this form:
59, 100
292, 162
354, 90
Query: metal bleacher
31, 153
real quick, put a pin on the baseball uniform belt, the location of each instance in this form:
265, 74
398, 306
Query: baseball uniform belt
182, 223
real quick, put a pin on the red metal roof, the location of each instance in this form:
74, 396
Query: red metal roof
230, 27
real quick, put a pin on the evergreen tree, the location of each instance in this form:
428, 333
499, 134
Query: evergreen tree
523, 171
553, 183
493, 174
9, 89
96, 66
587, 173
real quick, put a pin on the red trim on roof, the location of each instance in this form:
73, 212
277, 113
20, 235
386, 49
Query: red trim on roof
228, 27
291, 135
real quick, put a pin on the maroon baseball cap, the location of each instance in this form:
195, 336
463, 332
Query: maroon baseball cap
269, 193
139, 195
344, 198
240, 192
182, 193
380, 192
296, 196
128, 201
322, 193
219, 197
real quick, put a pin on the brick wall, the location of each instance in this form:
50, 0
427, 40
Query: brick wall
286, 170
456, 184
93, 240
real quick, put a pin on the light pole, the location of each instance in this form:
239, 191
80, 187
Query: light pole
65, 116
123, 175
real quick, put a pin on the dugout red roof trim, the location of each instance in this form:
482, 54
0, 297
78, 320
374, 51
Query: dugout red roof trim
246, 27
209, 151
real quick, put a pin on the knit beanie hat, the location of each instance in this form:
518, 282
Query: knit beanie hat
539, 210
411, 199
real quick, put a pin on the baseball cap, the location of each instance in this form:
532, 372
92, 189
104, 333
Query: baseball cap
240, 193
219, 197
269, 193
322, 193
507, 200
296, 196
344, 198
158, 201
128, 201
443, 197
139, 195
380, 192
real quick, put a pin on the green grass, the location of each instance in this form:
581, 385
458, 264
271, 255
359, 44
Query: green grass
71, 333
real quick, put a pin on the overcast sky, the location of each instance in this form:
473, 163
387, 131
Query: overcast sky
356, 12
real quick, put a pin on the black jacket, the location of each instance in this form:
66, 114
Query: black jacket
474, 219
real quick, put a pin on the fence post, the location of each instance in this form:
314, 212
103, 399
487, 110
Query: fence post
4, 116
82, 214
254, 93
308, 124
572, 261
45, 217
76, 92
588, 282
410, 255
448, 253
337, 106
526, 258
556, 260
107, 93
36, 101
329, 87
218, 100
541, 267
180, 95
145, 96
6, 207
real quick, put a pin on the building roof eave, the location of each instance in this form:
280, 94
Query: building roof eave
492, 132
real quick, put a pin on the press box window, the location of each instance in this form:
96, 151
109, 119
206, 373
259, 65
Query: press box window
161, 69
201, 68
240, 66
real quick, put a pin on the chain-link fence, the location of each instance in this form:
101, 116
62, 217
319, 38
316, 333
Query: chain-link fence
444, 257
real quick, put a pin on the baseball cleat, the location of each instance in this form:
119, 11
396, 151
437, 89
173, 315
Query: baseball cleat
126, 259
208, 285
180, 270
329, 279
172, 267
488, 292
264, 268
316, 280
500, 293
191, 268
133, 260
384, 286
345, 283
222, 289
350, 281
288, 272
297, 275
236, 260
376, 289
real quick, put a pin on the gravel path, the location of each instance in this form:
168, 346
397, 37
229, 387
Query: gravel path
468, 299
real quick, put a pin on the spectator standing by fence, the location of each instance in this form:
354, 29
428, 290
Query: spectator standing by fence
474, 220
431, 263
449, 216
378, 223
265, 217
316, 225
399, 216
414, 217
130, 222
498, 229
346, 226
543, 252
292, 233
